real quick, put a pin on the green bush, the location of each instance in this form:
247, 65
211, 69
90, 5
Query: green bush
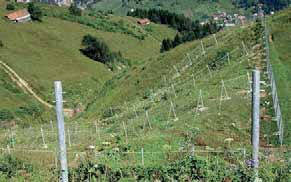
10, 6
99, 51
74, 10
35, 12
186, 169
6, 115
32, 110
10, 166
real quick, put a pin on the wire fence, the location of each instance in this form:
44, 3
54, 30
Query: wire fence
123, 159
39, 144
271, 77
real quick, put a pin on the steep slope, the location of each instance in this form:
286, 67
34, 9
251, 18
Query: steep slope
143, 83
43, 52
192, 100
280, 28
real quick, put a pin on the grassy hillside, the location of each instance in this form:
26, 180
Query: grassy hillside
163, 105
280, 28
51, 50
140, 109
138, 86
196, 9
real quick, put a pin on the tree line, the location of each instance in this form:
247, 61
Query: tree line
97, 50
268, 5
188, 29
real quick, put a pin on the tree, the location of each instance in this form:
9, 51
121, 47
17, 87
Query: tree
6, 115
74, 10
99, 51
10, 6
177, 40
166, 45
35, 12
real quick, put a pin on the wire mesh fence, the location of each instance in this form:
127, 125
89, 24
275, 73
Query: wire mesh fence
271, 77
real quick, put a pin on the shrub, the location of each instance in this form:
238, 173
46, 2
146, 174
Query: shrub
219, 61
1, 44
10, 6
6, 115
74, 10
33, 110
10, 166
99, 51
35, 12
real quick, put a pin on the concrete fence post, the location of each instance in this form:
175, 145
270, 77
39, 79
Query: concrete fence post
61, 131
256, 120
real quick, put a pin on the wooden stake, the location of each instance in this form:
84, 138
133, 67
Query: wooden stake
97, 131
216, 42
125, 132
165, 80
43, 139
209, 71
174, 91
245, 48
200, 103
177, 71
194, 82
172, 110
147, 120
249, 82
52, 126
142, 157
135, 112
189, 58
202, 47
223, 95
8, 149
228, 58
69, 137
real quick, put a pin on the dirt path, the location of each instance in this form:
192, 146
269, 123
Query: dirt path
23, 84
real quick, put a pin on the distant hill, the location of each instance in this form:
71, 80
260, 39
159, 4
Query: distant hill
195, 9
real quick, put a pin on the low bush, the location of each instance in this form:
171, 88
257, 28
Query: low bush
11, 166
10, 6
186, 169
6, 115
99, 51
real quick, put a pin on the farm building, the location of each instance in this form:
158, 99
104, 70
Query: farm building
23, 1
144, 21
242, 20
19, 16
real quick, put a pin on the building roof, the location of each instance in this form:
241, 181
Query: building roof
144, 21
17, 14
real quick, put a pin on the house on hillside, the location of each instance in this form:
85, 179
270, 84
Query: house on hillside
67, 3
144, 21
23, 1
242, 19
219, 16
19, 16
